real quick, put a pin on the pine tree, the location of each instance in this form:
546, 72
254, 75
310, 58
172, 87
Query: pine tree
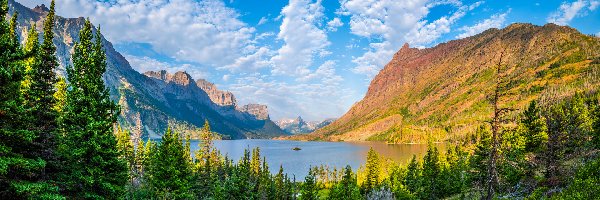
372, 169
347, 188
431, 174
60, 96
569, 125
92, 168
21, 167
40, 99
535, 128
413, 176
309, 189
168, 169
127, 152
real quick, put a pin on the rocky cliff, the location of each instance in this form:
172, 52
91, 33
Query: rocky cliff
224, 98
154, 102
443, 92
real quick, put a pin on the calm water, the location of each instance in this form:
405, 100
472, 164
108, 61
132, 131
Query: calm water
333, 154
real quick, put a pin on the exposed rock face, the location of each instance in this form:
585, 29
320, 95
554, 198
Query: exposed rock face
257, 110
180, 78
224, 98
299, 126
442, 92
156, 99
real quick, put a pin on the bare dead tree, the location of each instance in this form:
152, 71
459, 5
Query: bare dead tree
496, 123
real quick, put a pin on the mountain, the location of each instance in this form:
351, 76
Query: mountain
299, 126
157, 99
443, 92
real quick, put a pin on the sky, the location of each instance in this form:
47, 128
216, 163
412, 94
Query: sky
309, 58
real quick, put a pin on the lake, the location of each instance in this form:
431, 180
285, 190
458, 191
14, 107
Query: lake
333, 154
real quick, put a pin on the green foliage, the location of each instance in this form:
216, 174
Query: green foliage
534, 128
585, 185
93, 167
347, 188
310, 187
168, 171
373, 170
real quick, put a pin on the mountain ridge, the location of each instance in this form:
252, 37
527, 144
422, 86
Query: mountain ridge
441, 92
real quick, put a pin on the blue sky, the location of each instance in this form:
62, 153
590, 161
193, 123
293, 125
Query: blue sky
309, 58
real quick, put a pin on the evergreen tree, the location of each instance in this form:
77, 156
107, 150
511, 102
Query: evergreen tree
310, 190
373, 170
168, 170
92, 167
346, 188
21, 167
413, 175
125, 147
535, 128
40, 98
569, 124
431, 174
479, 161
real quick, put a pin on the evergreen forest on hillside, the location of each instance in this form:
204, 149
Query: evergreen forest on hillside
59, 139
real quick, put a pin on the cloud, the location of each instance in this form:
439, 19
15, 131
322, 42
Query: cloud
302, 37
144, 64
334, 24
251, 62
388, 24
495, 21
206, 32
263, 20
324, 74
568, 11
313, 101
594, 5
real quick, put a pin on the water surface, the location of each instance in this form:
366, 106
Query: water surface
332, 154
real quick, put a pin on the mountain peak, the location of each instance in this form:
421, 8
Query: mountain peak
448, 83
41, 8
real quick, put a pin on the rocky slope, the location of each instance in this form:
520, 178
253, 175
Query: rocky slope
299, 126
155, 102
442, 92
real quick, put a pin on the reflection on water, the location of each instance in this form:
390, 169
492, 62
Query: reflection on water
333, 154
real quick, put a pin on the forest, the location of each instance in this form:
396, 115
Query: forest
59, 139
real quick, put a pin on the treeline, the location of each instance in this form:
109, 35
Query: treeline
549, 152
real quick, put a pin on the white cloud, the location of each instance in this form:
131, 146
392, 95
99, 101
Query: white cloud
324, 74
263, 20
594, 5
251, 62
390, 23
206, 32
334, 24
302, 37
313, 101
568, 11
144, 64
495, 21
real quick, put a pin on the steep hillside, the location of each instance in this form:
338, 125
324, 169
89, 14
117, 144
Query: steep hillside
153, 102
442, 92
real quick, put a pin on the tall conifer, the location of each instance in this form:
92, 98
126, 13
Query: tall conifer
93, 168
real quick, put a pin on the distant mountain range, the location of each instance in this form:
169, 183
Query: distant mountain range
156, 99
299, 126
442, 93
